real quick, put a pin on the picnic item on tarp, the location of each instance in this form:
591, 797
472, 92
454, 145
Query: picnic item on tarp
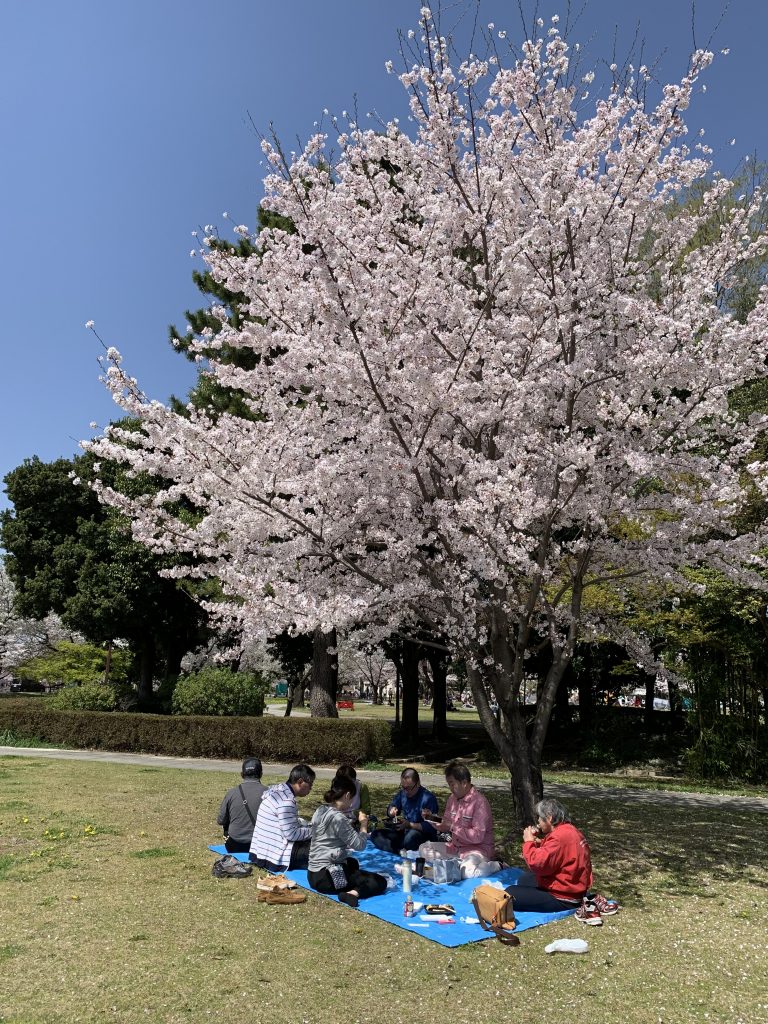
407, 876
230, 867
494, 909
439, 908
446, 870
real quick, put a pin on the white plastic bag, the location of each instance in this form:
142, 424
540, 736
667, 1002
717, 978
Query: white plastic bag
446, 870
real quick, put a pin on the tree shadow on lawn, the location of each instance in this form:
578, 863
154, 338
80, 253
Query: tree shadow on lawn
677, 850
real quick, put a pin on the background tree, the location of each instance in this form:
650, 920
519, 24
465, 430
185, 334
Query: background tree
294, 653
22, 638
76, 663
519, 369
69, 554
366, 664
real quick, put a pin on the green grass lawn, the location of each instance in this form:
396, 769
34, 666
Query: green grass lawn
108, 912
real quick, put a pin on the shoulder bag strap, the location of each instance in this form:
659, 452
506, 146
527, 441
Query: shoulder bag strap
245, 803
483, 924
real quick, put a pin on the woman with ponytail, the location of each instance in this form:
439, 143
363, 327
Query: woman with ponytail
331, 871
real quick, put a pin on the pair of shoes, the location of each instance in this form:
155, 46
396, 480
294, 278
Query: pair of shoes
282, 896
275, 883
603, 906
588, 913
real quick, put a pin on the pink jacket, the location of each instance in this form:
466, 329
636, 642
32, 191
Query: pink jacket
470, 822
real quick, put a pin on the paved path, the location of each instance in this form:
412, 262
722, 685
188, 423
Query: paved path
558, 790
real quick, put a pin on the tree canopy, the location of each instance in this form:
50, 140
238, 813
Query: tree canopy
504, 379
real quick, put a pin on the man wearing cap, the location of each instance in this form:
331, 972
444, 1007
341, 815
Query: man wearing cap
237, 814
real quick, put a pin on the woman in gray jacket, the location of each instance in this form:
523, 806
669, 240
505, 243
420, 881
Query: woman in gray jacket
331, 870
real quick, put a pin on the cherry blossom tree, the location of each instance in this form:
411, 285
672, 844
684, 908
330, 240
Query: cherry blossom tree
501, 384
21, 637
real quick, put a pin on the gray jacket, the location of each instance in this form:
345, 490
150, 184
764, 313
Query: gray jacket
233, 816
332, 838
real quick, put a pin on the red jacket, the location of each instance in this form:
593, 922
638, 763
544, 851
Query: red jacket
561, 862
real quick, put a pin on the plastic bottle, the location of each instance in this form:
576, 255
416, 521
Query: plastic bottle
407, 876
567, 946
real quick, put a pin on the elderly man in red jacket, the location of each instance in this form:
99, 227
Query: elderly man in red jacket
560, 865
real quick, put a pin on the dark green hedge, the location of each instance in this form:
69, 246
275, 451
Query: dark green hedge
314, 740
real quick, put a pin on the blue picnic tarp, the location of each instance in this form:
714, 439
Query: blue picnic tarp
389, 906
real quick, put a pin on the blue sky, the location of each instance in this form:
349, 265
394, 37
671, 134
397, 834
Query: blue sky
125, 127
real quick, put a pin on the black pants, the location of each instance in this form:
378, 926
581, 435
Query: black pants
299, 859
527, 896
394, 840
365, 883
232, 846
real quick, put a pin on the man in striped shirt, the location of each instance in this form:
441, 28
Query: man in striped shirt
281, 838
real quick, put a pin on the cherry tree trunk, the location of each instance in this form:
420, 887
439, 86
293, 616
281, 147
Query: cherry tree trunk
325, 674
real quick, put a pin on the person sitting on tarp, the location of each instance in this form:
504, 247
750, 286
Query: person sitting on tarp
469, 821
281, 838
411, 801
237, 814
361, 801
331, 871
560, 865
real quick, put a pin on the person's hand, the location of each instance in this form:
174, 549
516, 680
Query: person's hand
530, 835
392, 812
362, 817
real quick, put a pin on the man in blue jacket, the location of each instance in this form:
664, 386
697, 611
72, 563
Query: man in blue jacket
407, 804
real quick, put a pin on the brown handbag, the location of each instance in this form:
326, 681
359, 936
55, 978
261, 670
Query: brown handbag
494, 910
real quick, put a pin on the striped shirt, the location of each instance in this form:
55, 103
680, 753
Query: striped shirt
277, 826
